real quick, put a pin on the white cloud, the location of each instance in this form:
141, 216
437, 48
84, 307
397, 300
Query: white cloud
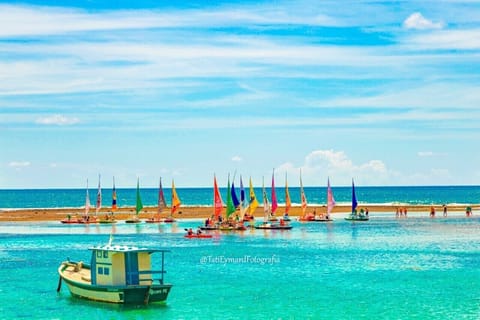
417, 21
19, 164
423, 154
340, 168
237, 159
58, 120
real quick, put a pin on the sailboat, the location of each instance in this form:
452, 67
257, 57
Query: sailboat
214, 222
253, 203
303, 199
161, 205
288, 201
70, 220
355, 215
230, 224
274, 205
270, 224
330, 205
175, 204
110, 218
138, 206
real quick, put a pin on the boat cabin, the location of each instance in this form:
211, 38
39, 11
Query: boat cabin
114, 265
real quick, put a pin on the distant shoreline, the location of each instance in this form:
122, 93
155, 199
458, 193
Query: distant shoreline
203, 212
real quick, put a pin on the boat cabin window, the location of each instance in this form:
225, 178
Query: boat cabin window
100, 270
99, 254
106, 271
105, 254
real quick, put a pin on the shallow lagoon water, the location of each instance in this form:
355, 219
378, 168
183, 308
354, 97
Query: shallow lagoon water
386, 268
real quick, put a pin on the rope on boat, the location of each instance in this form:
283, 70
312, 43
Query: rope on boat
59, 284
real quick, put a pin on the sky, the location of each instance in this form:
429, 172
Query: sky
384, 92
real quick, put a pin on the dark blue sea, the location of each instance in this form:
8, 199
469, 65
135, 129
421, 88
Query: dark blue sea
72, 198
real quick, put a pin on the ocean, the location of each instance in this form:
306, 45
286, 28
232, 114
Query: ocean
74, 198
387, 268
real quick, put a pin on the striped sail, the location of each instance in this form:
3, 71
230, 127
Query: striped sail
114, 197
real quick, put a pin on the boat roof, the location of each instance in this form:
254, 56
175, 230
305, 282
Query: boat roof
124, 248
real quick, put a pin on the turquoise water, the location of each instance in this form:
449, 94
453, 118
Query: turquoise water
68, 198
387, 268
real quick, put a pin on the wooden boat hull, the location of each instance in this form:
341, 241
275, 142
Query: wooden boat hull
132, 294
273, 227
357, 219
169, 220
153, 221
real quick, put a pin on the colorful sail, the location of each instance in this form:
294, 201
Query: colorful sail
288, 201
98, 205
330, 199
266, 205
354, 198
230, 206
274, 195
139, 205
303, 198
162, 204
242, 198
114, 197
253, 200
87, 202
235, 200
217, 199
175, 200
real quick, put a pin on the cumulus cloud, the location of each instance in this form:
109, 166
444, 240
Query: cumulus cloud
58, 120
336, 164
424, 154
237, 159
417, 21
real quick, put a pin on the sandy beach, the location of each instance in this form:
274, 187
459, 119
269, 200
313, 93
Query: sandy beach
18, 215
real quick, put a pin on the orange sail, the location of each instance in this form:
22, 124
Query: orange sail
288, 201
302, 196
175, 199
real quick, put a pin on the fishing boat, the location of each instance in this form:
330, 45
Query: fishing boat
355, 215
138, 206
116, 274
109, 217
161, 206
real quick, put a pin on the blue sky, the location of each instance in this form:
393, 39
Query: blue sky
383, 92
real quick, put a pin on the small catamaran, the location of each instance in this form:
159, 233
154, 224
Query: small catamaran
355, 215
176, 203
267, 224
161, 206
116, 274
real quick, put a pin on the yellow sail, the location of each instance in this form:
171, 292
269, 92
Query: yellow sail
253, 200
175, 199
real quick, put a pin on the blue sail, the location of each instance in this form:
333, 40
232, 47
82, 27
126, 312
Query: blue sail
236, 203
354, 198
